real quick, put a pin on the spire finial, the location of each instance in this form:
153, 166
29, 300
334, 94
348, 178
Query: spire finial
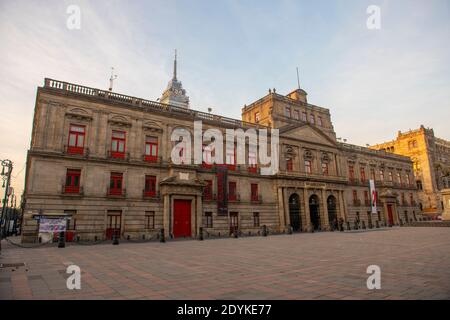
298, 79
175, 66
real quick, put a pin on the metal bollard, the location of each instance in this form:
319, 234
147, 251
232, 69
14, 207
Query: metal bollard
264, 231
115, 239
200, 233
61, 240
162, 237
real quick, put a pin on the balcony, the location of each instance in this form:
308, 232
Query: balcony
119, 155
116, 193
152, 159
256, 198
209, 197
72, 191
253, 169
76, 151
150, 194
234, 197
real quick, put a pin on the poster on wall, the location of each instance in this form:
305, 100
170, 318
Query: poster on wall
52, 225
373, 196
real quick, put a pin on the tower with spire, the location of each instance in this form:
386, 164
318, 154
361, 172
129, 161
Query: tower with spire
174, 93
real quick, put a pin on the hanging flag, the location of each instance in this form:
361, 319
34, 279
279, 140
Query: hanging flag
373, 196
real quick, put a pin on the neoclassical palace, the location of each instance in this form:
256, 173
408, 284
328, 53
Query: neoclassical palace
103, 161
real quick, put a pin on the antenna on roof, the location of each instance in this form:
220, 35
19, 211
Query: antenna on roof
298, 79
111, 80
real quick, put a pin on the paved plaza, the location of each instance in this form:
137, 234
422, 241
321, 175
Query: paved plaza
414, 262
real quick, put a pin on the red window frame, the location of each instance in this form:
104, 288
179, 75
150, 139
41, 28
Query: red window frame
151, 149
290, 165
207, 191
118, 143
232, 191
324, 168
252, 166
77, 135
308, 166
254, 191
72, 181
150, 186
362, 172
116, 184
351, 172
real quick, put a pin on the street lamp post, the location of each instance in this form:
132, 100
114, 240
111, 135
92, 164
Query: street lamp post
6, 176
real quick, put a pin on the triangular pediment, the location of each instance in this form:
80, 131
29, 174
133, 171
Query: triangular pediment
305, 132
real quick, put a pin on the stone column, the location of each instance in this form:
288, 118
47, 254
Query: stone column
199, 214
344, 203
324, 215
281, 211
306, 209
286, 207
166, 215
446, 201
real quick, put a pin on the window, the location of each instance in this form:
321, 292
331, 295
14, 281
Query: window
151, 149
231, 158
390, 176
118, 144
351, 172
149, 219
256, 219
411, 199
304, 116
366, 198
150, 186
362, 172
403, 198
257, 117
372, 174
252, 162
207, 191
76, 139
408, 179
319, 121
289, 165
399, 178
308, 166
324, 168
72, 221
115, 184
254, 191
72, 181
355, 196
419, 185
232, 191
381, 175
208, 220
312, 119
296, 115
208, 153
287, 112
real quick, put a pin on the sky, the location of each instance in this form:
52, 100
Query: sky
374, 81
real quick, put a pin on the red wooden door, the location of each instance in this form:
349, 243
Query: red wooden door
390, 217
182, 218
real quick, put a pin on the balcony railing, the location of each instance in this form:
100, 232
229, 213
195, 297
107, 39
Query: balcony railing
119, 155
76, 151
146, 105
256, 198
152, 159
234, 197
72, 190
120, 193
209, 197
150, 194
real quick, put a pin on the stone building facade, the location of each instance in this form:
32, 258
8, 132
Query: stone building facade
103, 161
431, 163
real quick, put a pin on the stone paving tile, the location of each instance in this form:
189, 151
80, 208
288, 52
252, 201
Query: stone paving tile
414, 262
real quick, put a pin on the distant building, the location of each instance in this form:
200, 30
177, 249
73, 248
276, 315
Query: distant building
431, 159
175, 95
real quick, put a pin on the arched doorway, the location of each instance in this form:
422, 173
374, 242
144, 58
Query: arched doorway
314, 211
294, 212
332, 212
